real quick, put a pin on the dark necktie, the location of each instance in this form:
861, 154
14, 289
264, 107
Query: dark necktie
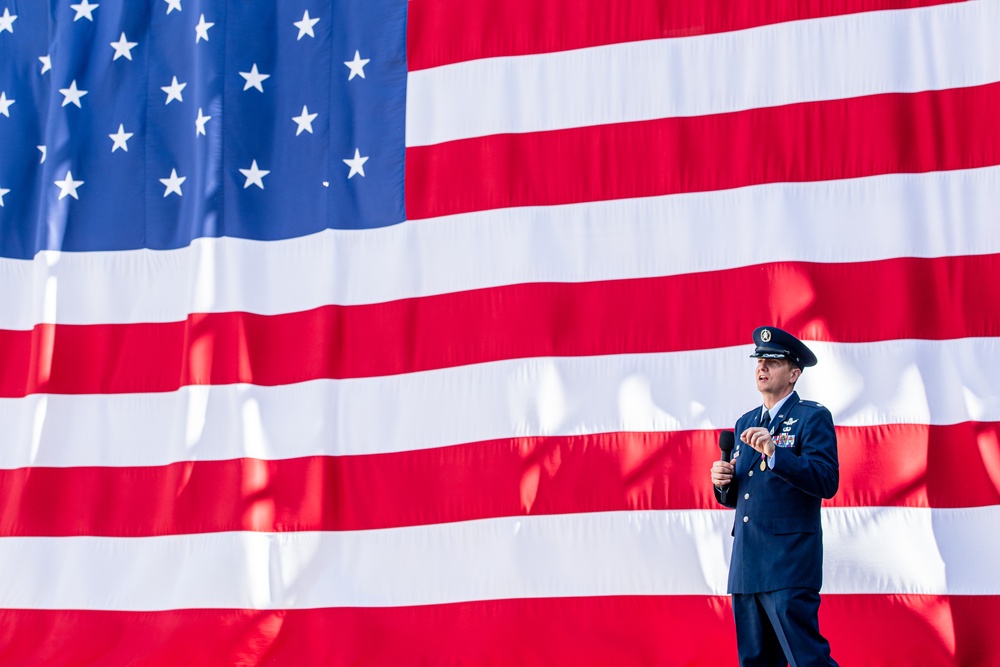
765, 419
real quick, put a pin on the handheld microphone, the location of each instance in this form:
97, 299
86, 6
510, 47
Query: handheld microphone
726, 441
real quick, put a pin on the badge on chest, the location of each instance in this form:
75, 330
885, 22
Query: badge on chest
785, 438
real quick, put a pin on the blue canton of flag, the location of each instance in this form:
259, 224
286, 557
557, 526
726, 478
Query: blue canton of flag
285, 119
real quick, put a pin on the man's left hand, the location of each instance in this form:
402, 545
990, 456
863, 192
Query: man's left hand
759, 438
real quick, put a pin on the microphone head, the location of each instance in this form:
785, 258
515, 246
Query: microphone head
727, 439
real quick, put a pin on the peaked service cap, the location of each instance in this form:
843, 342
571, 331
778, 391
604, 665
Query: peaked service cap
773, 343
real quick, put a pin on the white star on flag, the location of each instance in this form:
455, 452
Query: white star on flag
123, 47
7, 21
42, 149
72, 95
3, 191
172, 5
357, 65
173, 183
173, 91
201, 30
305, 26
120, 138
5, 104
254, 78
68, 186
357, 164
46, 63
199, 123
84, 10
305, 121
254, 176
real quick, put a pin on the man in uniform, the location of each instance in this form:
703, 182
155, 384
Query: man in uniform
784, 464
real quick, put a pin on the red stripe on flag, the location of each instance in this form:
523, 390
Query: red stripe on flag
810, 141
936, 299
890, 465
633, 630
440, 32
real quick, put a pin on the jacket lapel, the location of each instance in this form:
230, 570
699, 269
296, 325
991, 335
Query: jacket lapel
786, 410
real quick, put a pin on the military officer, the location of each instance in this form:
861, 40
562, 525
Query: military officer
784, 464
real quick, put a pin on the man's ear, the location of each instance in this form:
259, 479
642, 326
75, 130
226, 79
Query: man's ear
796, 374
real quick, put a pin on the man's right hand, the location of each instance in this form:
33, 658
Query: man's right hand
722, 473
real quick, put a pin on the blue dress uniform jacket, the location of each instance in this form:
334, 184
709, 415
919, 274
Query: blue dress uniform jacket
778, 532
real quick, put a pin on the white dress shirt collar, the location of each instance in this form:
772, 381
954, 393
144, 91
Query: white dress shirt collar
775, 408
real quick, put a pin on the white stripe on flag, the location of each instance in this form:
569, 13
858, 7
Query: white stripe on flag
868, 550
946, 46
900, 215
863, 384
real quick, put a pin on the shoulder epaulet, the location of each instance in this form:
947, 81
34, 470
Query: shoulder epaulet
813, 404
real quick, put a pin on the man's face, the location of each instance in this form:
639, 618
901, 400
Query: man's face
775, 376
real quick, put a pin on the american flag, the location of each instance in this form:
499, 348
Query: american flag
386, 332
